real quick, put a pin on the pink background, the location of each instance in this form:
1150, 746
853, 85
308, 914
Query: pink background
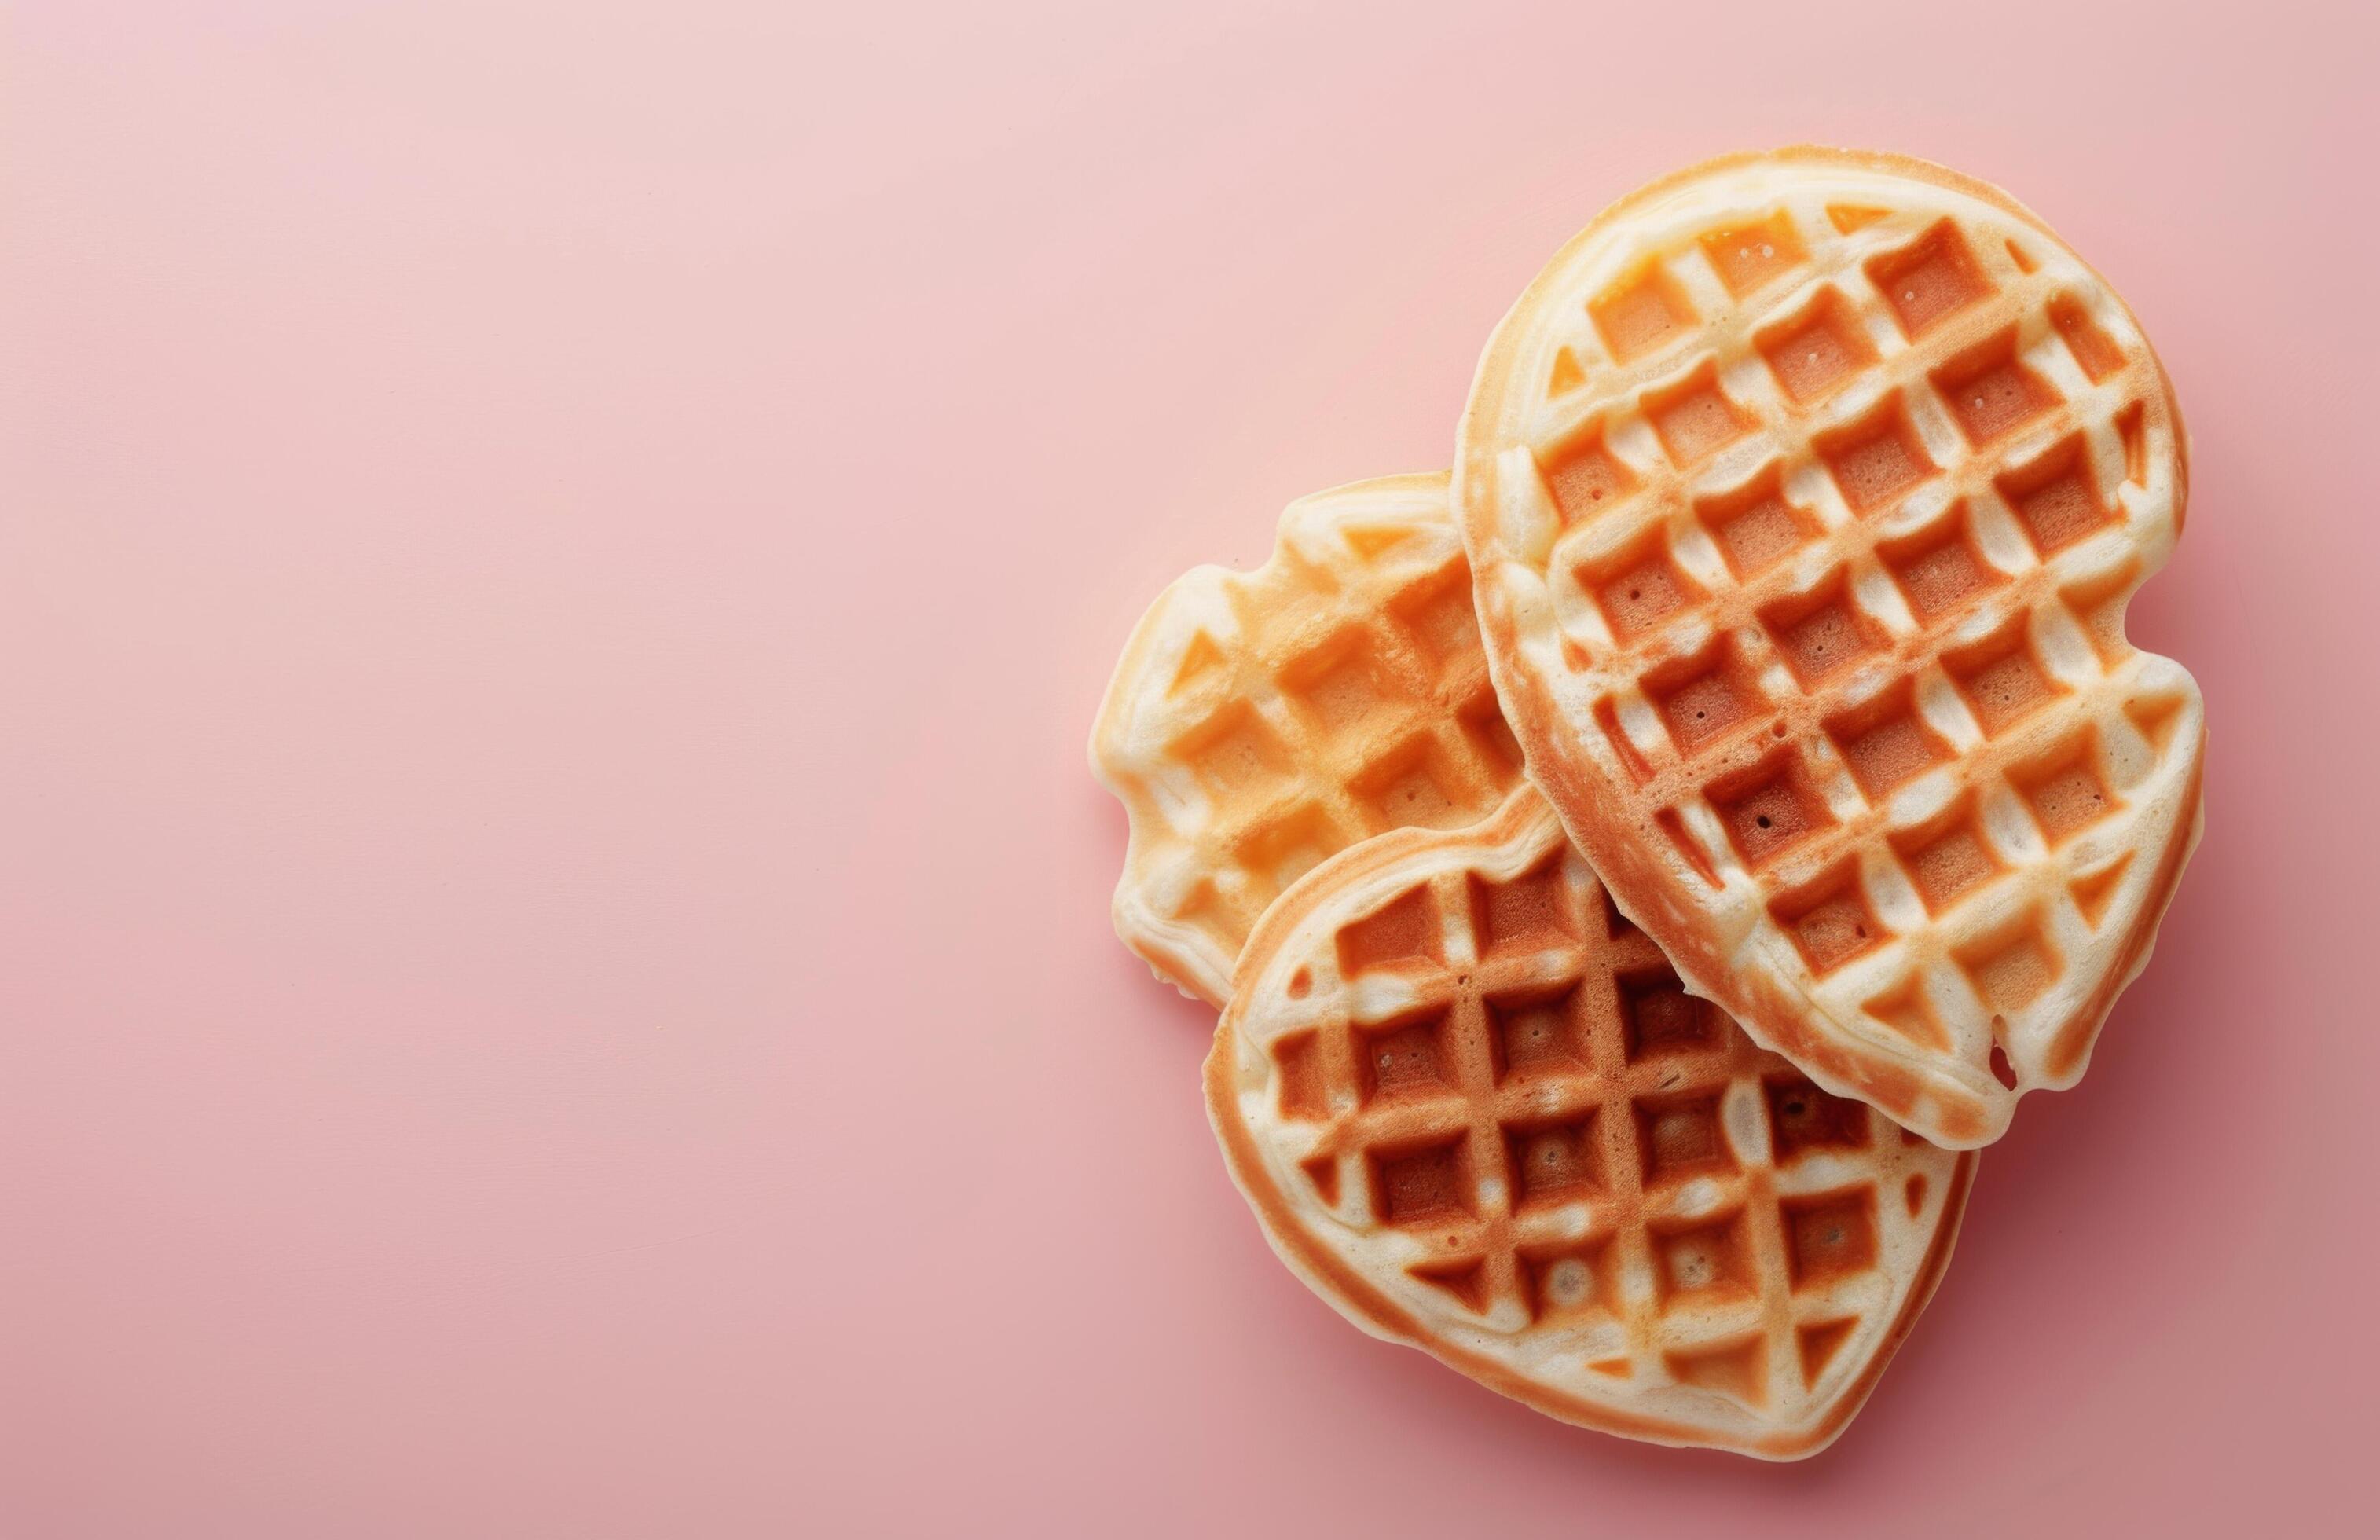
556, 563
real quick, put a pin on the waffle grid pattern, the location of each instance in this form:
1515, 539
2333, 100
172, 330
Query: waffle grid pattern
1261, 721
1877, 516
1508, 1107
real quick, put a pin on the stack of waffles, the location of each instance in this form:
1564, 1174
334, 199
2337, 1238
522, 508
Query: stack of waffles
1640, 870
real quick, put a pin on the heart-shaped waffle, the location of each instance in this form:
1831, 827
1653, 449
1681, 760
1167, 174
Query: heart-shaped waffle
1806, 493
1477, 1112
1260, 721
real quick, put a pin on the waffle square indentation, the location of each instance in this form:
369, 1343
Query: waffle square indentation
1929, 280
1816, 350
1641, 313
1877, 457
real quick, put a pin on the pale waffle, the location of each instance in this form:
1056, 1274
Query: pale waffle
1806, 493
1260, 721
1476, 1111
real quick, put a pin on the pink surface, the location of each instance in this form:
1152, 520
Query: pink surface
557, 561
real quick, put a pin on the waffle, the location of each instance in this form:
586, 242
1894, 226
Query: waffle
1806, 492
1476, 1111
1260, 721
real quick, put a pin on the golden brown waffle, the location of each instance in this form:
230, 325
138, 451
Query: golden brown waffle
1476, 1111
1260, 721
1806, 492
